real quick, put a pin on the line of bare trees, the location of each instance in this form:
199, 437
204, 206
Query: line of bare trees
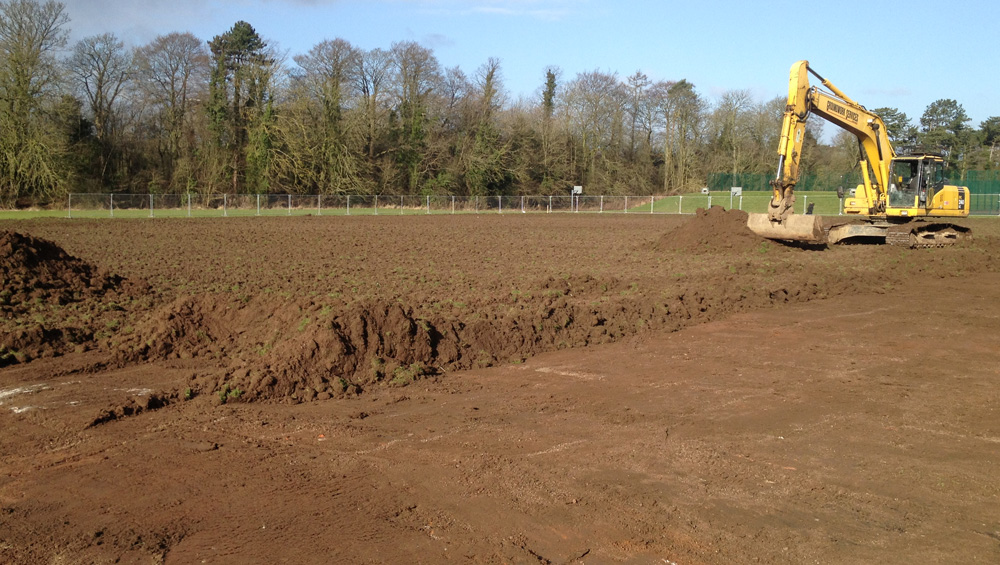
235, 115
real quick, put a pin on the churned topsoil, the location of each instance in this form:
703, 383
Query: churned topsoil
502, 388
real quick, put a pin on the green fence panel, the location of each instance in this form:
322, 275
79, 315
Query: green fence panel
808, 182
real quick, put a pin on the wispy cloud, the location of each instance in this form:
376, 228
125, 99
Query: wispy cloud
535, 9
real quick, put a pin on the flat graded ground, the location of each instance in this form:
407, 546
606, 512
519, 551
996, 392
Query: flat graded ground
565, 388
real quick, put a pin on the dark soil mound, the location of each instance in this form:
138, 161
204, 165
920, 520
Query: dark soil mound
51, 302
38, 271
715, 229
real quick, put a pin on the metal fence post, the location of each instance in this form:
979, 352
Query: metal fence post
651, 200
499, 204
258, 204
376, 204
69, 206
319, 204
626, 204
680, 203
150, 205
428, 204
289, 204
452, 204
348, 204
225, 204
111, 207
189, 204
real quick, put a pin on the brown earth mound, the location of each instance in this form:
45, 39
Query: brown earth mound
41, 282
715, 229
36, 270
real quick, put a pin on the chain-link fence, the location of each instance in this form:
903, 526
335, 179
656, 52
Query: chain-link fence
196, 205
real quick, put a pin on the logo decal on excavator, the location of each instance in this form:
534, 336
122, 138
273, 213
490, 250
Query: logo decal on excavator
840, 110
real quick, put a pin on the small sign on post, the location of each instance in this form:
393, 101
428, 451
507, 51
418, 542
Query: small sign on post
575, 198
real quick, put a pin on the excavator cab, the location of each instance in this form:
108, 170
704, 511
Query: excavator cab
916, 183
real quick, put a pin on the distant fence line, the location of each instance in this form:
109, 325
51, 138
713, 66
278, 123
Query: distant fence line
196, 205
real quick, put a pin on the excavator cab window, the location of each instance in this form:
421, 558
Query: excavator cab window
905, 184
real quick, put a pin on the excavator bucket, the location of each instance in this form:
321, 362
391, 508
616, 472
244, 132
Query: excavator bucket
796, 227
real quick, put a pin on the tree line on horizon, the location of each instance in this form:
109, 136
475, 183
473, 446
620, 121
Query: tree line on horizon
233, 115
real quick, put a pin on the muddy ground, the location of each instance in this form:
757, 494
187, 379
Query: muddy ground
493, 389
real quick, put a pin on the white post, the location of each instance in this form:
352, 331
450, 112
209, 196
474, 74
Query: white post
453, 204
150, 205
477, 204
258, 204
428, 204
741, 202
111, 209
400, 204
69, 206
319, 204
550, 205
289, 204
348, 204
189, 204
651, 200
709, 200
602, 204
376, 204
805, 203
626, 204
225, 204
680, 203
499, 204
522, 204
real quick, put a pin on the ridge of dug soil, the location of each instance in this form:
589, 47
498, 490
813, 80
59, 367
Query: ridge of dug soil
302, 350
41, 283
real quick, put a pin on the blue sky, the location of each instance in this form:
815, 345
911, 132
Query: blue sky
899, 54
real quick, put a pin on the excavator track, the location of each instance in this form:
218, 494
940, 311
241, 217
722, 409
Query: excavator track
925, 235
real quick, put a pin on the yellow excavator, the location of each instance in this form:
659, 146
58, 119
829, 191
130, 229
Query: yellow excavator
896, 196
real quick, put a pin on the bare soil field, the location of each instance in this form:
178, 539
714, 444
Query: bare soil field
571, 388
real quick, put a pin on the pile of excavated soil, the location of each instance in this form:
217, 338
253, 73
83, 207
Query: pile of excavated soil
38, 271
51, 302
715, 229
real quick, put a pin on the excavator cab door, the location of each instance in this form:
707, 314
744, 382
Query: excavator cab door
933, 175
